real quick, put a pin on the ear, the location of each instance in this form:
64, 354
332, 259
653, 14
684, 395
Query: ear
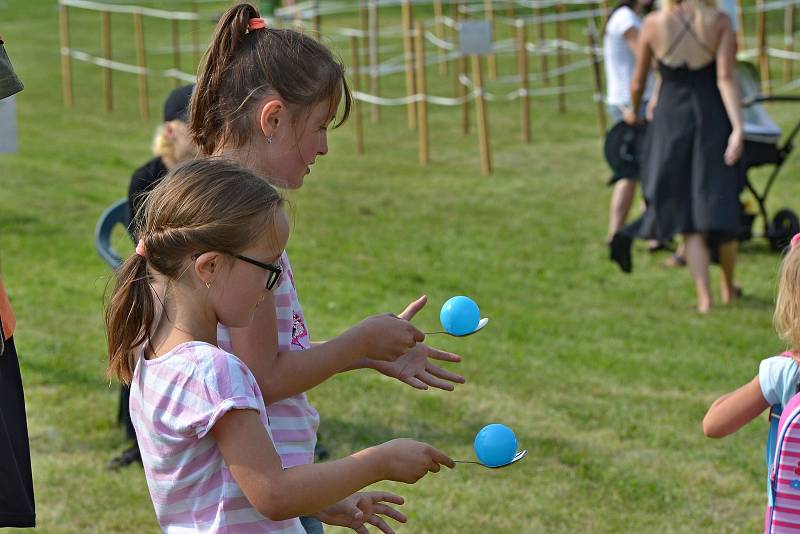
169, 131
273, 112
207, 266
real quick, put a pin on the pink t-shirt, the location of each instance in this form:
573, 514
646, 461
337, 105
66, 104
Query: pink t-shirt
175, 401
293, 421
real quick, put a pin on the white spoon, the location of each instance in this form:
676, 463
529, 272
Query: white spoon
480, 326
517, 457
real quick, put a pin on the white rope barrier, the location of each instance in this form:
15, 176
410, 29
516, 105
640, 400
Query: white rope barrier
79, 55
122, 8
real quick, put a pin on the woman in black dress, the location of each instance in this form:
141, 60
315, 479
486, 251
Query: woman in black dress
689, 175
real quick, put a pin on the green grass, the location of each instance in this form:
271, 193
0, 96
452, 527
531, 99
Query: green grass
604, 377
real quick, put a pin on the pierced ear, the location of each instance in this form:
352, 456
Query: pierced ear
272, 113
207, 266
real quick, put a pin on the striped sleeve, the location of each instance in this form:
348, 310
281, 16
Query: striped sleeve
229, 385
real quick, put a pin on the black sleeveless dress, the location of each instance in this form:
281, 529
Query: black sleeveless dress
686, 184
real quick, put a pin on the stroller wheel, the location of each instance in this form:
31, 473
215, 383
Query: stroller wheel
784, 225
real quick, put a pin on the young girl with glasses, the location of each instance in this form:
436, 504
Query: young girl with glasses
215, 233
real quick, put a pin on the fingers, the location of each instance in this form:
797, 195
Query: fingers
412, 309
380, 523
437, 383
444, 374
415, 382
443, 356
419, 335
441, 458
388, 511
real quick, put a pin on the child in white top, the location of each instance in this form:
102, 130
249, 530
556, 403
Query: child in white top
215, 233
779, 376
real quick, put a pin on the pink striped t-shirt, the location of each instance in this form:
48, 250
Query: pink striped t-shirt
293, 421
176, 399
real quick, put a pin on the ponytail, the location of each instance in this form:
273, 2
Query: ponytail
231, 30
129, 317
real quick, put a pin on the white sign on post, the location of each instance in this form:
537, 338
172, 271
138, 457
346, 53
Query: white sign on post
475, 37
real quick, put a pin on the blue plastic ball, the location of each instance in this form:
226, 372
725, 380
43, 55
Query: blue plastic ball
460, 316
495, 445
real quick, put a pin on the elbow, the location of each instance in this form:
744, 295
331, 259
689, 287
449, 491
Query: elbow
711, 430
274, 507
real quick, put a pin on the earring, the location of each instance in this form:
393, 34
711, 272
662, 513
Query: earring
208, 285
269, 140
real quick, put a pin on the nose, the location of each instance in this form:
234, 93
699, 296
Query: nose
322, 149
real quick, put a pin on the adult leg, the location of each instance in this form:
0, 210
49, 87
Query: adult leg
727, 263
697, 258
621, 200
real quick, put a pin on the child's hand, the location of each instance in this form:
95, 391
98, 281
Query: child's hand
386, 337
361, 508
407, 460
416, 369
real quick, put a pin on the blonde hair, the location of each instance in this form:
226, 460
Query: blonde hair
201, 205
162, 145
787, 303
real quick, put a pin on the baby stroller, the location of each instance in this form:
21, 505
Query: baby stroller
762, 146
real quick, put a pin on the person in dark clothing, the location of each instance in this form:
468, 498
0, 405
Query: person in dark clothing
17, 505
690, 174
172, 145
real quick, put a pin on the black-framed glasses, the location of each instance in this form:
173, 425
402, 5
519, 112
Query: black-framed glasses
275, 271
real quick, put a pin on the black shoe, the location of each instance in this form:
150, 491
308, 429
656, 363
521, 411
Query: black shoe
620, 252
129, 456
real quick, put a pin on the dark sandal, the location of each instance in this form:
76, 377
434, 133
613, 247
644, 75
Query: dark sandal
620, 252
676, 260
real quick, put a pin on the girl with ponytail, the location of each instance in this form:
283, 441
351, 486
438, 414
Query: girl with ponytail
265, 98
214, 234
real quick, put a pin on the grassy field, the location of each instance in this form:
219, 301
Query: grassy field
605, 378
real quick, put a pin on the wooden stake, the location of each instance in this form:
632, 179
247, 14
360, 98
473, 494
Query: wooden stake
788, 40
761, 36
483, 125
542, 54
144, 103
438, 14
462, 90
176, 50
522, 69
408, 55
591, 34
106, 36
66, 61
562, 103
422, 108
740, 42
374, 75
356, 87
195, 35
488, 8
363, 17
604, 9
316, 21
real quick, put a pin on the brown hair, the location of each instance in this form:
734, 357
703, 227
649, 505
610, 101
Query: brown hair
787, 304
201, 205
243, 66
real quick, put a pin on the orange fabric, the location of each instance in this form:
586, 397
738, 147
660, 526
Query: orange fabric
6, 313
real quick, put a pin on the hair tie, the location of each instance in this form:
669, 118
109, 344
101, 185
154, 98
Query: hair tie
140, 249
795, 241
256, 24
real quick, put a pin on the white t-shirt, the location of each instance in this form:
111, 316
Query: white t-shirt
778, 377
618, 57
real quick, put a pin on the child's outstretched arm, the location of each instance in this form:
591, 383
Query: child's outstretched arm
281, 494
283, 374
733, 410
